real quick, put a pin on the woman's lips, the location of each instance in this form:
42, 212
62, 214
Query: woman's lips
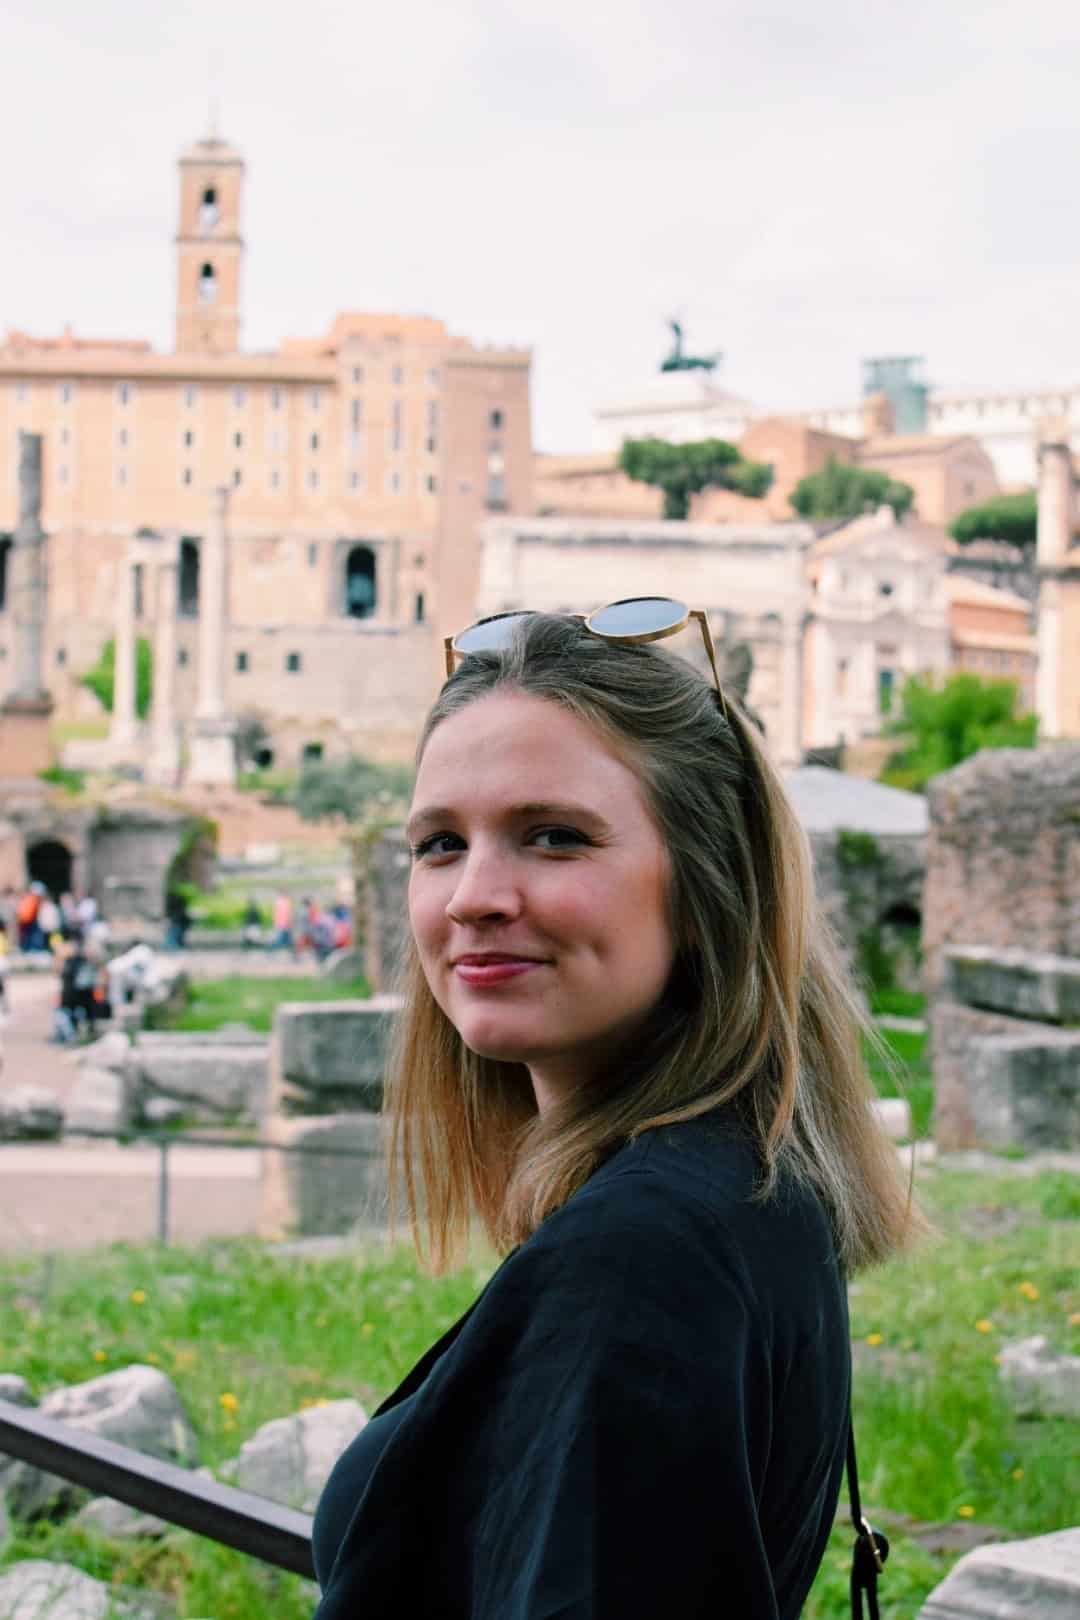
482, 971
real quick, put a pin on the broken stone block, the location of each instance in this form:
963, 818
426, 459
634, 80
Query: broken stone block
289, 1459
1024, 1090
1037, 1579
1040, 1383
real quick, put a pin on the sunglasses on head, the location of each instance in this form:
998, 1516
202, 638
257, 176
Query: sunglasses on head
634, 619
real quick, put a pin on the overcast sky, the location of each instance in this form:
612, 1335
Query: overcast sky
805, 185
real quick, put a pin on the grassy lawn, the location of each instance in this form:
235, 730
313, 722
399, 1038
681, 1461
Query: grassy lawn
937, 1441
212, 1003
906, 1075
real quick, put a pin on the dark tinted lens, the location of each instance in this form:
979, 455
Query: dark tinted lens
490, 635
642, 616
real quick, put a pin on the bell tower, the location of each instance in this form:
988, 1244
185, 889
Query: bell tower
209, 249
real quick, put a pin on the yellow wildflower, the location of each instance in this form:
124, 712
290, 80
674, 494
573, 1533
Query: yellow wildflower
1018, 1473
138, 1296
367, 1329
966, 1512
99, 1355
1074, 1319
984, 1325
1029, 1290
152, 1359
873, 1339
228, 1401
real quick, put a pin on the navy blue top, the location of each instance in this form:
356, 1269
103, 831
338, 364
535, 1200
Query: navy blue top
643, 1415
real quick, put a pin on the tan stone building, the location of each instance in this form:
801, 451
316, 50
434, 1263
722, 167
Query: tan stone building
358, 466
884, 607
947, 474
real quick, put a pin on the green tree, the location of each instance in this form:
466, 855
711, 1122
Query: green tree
101, 679
684, 470
942, 724
841, 491
1007, 517
346, 787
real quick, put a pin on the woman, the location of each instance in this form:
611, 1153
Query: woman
628, 1048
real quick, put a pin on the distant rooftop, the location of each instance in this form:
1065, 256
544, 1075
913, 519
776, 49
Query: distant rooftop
826, 800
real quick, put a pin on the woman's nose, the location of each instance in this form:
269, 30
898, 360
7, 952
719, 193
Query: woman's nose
485, 890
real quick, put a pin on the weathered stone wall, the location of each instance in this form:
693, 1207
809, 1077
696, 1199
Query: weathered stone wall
867, 884
129, 852
386, 908
1003, 858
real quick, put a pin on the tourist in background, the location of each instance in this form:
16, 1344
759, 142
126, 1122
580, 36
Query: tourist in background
281, 917
5, 963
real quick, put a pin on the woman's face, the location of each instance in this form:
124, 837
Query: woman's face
539, 889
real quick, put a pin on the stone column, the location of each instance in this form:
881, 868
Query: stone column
822, 727
1054, 535
789, 743
25, 715
27, 569
124, 731
163, 765
213, 757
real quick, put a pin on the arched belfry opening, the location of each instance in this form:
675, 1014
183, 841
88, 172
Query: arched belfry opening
360, 582
50, 862
207, 284
209, 211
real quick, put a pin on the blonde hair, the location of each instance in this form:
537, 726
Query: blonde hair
759, 1016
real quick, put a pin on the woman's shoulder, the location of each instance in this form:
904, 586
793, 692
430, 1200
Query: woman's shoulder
683, 1201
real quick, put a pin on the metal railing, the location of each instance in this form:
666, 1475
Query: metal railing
166, 1140
276, 1535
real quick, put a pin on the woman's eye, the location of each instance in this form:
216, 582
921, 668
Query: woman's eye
559, 838
437, 844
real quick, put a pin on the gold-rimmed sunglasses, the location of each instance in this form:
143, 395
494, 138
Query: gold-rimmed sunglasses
633, 619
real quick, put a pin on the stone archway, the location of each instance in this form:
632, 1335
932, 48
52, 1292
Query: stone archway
50, 862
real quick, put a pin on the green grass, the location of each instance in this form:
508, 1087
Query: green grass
904, 1071
212, 1003
901, 1003
936, 1437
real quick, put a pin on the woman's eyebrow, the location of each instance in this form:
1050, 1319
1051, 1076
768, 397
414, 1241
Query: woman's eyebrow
436, 815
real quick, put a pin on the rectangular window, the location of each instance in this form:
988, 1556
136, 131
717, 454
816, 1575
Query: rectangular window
182, 658
495, 420
314, 441
275, 399
315, 398
185, 476
239, 398
121, 475
356, 480
123, 393
241, 663
189, 439
62, 474
313, 479
431, 483
292, 663
885, 691
355, 442
61, 656
122, 438
397, 376
418, 608
191, 396
237, 477
312, 553
65, 393
238, 441
356, 413
396, 434
22, 393
394, 483
275, 478
65, 435
357, 376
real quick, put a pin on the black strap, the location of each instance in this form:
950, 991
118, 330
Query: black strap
871, 1548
